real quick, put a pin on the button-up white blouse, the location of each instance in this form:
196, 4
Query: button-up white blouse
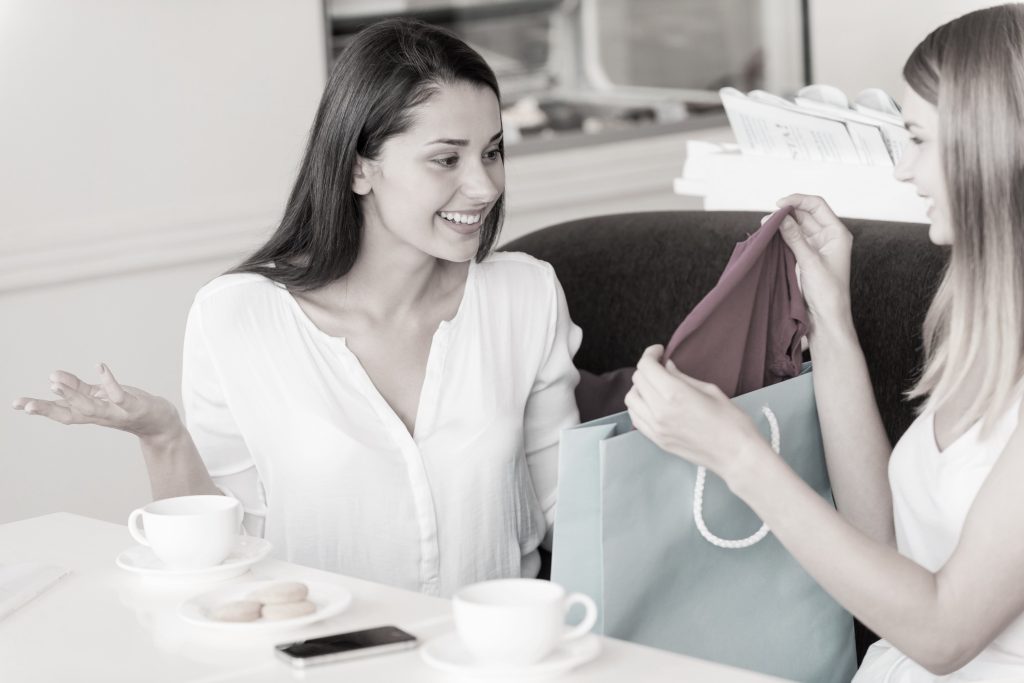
288, 422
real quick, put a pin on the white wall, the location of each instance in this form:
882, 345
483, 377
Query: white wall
132, 322
863, 44
152, 145
148, 144
145, 145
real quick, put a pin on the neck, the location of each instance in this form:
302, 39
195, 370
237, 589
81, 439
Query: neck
391, 279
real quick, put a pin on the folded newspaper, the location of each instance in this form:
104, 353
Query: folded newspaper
819, 124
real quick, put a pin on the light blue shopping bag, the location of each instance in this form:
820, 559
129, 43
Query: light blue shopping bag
626, 535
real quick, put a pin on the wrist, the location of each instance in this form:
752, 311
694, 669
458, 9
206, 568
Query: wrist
834, 330
166, 438
753, 459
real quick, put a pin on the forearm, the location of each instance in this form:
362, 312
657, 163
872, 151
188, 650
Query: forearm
174, 465
890, 594
856, 446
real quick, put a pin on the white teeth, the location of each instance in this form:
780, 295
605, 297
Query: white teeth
464, 218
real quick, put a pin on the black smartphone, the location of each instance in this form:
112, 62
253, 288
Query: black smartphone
342, 646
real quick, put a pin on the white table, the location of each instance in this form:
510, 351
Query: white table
104, 624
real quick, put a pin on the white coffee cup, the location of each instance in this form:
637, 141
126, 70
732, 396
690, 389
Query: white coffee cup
516, 622
188, 532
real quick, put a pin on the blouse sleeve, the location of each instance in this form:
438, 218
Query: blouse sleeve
213, 428
551, 406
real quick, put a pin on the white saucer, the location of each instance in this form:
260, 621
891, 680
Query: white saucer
329, 598
447, 653
248, 551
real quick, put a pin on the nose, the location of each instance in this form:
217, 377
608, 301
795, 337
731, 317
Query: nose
903, 171
483, 183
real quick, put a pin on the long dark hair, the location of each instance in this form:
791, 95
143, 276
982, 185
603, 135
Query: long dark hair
388, 69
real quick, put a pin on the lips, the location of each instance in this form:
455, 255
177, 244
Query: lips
462, 228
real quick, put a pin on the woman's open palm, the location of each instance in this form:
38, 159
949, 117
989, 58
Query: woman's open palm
108, 404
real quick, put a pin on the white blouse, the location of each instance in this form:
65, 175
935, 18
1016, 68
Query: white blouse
932, 494
288, 422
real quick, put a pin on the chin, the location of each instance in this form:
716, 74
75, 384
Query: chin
458, 253
940, 234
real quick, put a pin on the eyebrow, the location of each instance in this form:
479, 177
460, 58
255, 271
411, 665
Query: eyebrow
458, 142
911, 124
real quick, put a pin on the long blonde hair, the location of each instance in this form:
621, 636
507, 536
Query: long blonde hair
972, 69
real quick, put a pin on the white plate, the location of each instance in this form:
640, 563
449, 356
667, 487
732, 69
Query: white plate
248, 551
329, 598
447, 653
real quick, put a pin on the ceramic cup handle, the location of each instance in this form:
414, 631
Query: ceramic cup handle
134, 529
583, 628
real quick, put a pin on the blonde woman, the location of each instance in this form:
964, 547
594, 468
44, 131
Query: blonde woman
927, 548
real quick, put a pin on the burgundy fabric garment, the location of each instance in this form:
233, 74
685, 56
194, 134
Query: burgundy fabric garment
744, 335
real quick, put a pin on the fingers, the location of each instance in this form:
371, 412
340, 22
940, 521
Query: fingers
651, 377
639, 412
113, 390
83, 408
674, 371
70, 380
79, 402
810, 211
796, 240
58, 411
813, 205
665, 389
653, 352
816, 219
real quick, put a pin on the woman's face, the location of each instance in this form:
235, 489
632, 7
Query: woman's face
921, 163
433, 185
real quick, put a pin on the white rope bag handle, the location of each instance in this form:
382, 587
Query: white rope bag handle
698, 499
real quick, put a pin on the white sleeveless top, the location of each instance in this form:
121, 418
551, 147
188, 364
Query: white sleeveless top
932, 492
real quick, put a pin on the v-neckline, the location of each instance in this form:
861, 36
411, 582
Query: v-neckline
935, 436
426, 405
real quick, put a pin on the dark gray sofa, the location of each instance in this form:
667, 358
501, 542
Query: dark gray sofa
629, 279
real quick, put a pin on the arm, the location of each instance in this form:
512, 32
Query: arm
172, 461
551, 406
941, 620
174, 465
226, 459
856, 445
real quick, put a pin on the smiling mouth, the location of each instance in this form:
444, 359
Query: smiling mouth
463, 223
460, 217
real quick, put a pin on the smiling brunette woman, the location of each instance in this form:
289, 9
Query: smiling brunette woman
382, 393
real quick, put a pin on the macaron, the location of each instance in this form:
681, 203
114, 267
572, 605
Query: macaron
281, 592
236, 610
287, 610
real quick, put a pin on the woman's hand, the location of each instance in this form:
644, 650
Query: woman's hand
822, 246
691, 419
108, 404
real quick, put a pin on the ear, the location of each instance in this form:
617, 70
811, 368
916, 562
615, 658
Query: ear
362, 173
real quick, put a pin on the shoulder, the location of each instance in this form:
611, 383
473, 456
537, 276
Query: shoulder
236, 289
514, 269
237, 304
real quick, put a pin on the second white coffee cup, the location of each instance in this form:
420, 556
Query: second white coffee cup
516, 622
188, 532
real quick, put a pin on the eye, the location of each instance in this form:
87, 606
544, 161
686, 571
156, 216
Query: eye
916, 140
493, 154
447, 162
